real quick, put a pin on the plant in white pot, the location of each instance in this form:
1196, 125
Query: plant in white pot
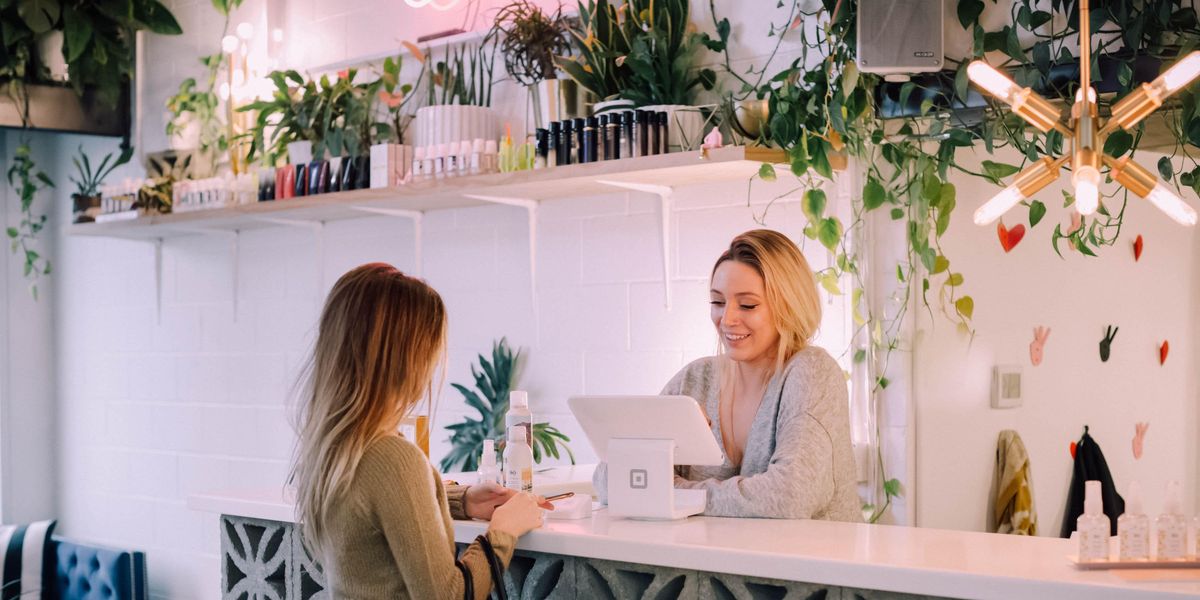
662, 46
459, 95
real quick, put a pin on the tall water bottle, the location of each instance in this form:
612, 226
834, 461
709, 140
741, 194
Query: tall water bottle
518, 414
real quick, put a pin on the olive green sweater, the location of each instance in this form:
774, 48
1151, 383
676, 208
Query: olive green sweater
391, 538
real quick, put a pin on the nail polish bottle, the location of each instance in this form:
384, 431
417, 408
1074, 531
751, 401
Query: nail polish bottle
427, 161
491, 156
477, 159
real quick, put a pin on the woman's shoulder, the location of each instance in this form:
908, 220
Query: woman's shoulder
392, 454
697, 374
813, 362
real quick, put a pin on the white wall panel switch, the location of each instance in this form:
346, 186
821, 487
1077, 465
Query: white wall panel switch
1006, 386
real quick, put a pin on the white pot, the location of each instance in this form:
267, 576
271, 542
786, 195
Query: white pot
187, 136
454, 123
685, 125
607, 106
50, 54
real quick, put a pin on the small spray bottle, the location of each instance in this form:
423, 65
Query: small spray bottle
488, 471
1133, 527
1172, 526
1093, 527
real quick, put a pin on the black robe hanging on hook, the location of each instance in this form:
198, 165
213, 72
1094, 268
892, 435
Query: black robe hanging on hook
1090, 465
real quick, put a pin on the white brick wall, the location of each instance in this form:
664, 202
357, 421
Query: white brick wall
154, 408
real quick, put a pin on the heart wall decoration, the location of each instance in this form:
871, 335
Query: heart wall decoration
1009, 238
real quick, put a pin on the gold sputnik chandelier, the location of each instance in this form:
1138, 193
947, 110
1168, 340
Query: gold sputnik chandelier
1086, 134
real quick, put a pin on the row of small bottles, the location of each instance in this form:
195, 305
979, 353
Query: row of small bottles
1133, 528
468, 157
518, 449
611, 136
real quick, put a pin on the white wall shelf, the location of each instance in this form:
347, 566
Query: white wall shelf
671, 170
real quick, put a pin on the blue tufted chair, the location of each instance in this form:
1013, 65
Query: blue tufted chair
86, 572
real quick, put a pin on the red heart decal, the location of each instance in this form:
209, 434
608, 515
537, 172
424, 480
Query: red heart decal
1072, 449
1162, 352
1137, 248
1009, 238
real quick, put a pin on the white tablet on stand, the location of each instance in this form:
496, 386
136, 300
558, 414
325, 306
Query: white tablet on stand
642, 438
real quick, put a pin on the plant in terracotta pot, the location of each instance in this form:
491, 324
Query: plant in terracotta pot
86, 198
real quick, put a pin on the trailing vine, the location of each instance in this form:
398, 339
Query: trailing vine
28, 180
822, 111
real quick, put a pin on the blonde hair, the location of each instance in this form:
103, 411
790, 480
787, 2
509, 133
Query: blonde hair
380, 338
788, 282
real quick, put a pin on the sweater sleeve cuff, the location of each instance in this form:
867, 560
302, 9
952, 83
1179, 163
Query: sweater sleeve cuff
456, 497
504, 544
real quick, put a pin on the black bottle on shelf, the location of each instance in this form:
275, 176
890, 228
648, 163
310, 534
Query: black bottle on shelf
652, 143
641, 133
541, 158
314, 177
301, 188
348, 174
579, 124
566, 153
589, 139
625, 148
362, 178
663, 133
553, 140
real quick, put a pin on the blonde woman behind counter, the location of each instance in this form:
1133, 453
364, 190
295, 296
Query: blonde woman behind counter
778, 405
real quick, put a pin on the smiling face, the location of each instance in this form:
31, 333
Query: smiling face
741, 313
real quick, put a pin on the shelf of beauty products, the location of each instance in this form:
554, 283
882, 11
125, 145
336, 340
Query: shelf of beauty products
672, 170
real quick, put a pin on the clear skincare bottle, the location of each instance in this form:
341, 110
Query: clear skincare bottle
1171, 526
1133, 527
1093, 527
518, 461
488, 471
519, 414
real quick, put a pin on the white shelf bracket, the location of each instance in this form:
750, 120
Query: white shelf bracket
234, 255
531, 210
318, 230
417, 218
666, 205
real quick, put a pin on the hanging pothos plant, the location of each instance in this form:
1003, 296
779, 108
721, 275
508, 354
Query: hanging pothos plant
822, 110
28, 180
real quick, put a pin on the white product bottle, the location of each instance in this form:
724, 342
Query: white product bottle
491, 156
1093, 526
475, 166
488, 471
1133, 527
518, 414
1172, 526
518, 461
418, 164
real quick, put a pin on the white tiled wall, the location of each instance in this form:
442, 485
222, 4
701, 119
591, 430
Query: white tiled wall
155, 406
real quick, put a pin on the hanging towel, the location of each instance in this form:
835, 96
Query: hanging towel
1090, 465
1012, 506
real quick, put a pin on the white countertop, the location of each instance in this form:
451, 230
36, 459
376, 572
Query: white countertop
901, 559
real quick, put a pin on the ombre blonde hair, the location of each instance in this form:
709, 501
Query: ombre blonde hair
788, 282
380, 339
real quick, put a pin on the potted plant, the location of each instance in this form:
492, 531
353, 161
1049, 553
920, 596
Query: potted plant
458, 96
530, 39
493, 380
600, 47
662, 48
86, 198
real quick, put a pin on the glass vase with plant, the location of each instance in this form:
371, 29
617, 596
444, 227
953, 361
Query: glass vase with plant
493, 380
86, 198
530, 39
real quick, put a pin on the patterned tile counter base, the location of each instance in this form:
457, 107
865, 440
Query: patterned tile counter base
265, 560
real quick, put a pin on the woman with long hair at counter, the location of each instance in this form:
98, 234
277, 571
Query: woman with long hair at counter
370, 506
777, 404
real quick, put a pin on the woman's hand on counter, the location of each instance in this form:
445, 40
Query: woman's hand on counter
521, 514
481, 500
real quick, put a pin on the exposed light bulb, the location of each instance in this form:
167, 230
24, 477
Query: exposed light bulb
277, 35
996, 83
229, 44
245, 30
1174, 206
996, 207
1179, 75
1087, 190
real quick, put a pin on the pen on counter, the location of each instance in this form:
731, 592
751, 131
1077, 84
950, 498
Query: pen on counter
561, 496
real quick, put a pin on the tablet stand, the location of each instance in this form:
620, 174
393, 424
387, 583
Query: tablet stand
641, 481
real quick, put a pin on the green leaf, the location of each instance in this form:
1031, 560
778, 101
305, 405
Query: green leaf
954, 279
965, 307
813, 204
891, 487
1165, 169
969, 11
77, 32
860, 356
997, 171
897, 214
873, 194
960, 138
1118, 143
39, 15
766, 172
830, 233
941, 263
829, 281
12, 232
1037, 210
